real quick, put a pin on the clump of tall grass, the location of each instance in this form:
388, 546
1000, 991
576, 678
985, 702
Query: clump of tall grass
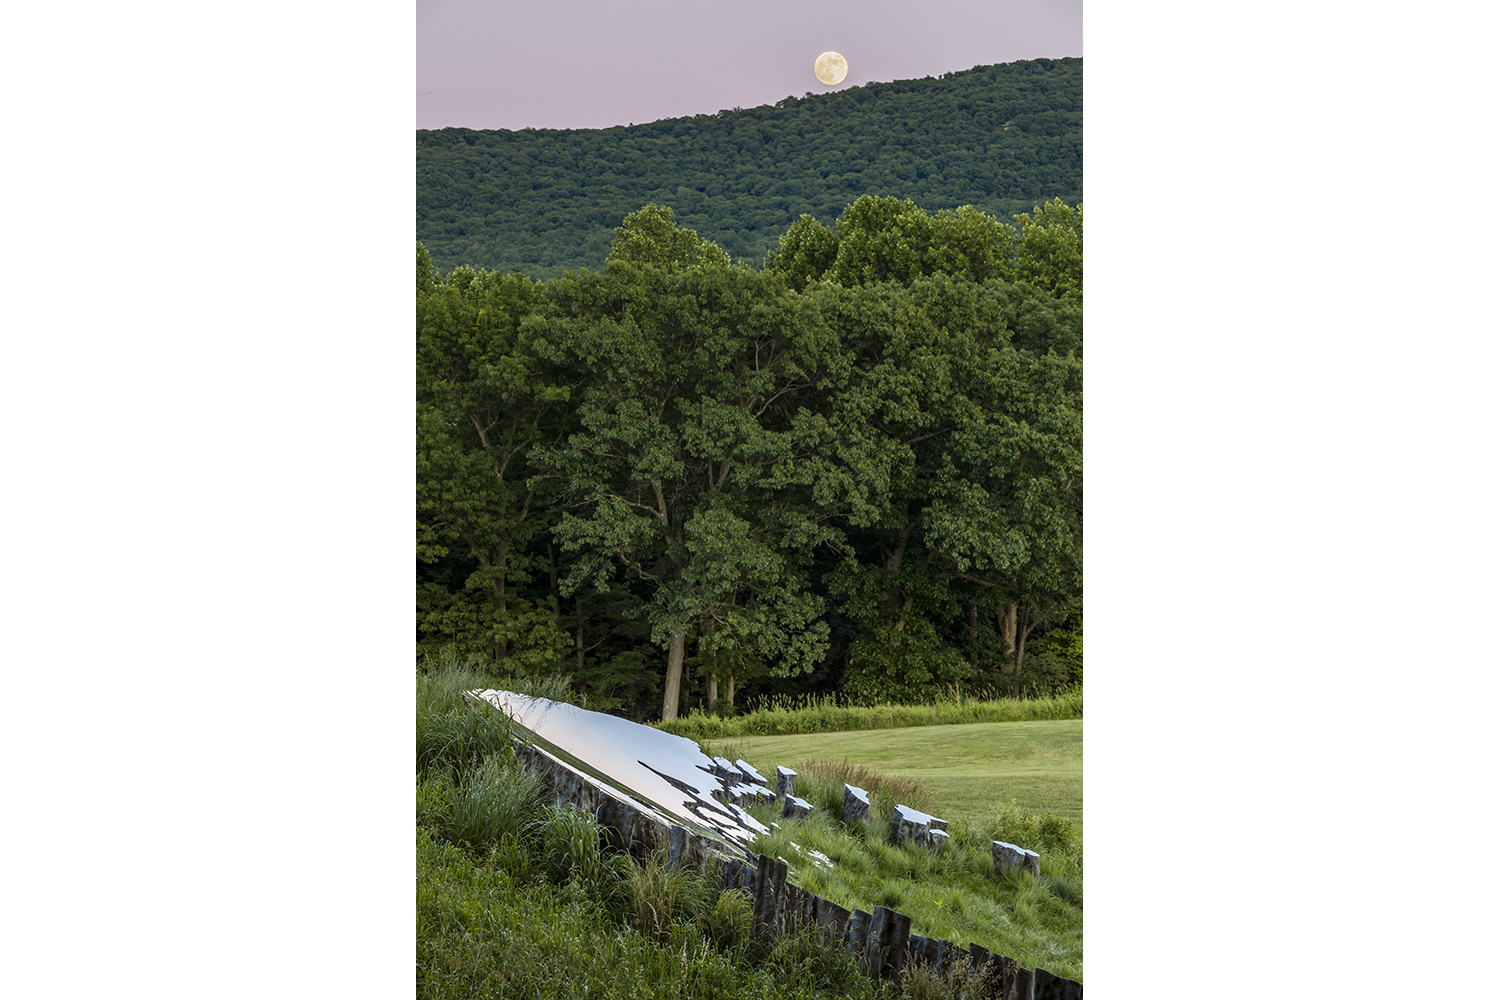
456, 733
489, 801
660, 896
886, 790
920, 981
786, 716
448, 673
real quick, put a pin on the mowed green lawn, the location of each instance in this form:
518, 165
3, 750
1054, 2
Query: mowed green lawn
968, 768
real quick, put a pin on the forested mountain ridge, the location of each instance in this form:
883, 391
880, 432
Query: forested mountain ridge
1001, 138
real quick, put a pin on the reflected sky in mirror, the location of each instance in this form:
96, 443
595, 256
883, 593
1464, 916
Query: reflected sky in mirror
668, 774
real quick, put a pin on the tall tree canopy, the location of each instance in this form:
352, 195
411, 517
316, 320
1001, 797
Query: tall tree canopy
484, 399
879, 435
696, 464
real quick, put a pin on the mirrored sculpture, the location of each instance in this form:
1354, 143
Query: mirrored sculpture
666, 777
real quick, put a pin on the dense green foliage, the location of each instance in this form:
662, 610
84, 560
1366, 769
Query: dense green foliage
1001, 138
825, 715
858, 470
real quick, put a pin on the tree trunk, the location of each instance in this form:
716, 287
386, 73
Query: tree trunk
1008, 627
497, 586
675, 656
1021, 652
901, 622
556, 601
1020, 655
729, 694
713, 676
499, 579
578, 608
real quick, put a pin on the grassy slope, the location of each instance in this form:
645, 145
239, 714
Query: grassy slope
538, 880
967, 768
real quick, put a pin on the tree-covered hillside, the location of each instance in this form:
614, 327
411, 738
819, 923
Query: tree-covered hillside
1001, 138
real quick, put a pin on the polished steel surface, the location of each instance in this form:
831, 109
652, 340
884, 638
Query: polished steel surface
668, 775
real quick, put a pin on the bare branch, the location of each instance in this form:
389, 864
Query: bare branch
985, 583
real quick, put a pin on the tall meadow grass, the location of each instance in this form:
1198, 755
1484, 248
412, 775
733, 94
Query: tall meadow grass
798, 716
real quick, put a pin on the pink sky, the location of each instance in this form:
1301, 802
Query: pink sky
596, 63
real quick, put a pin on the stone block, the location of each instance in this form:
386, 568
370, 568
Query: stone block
1021, 985
832, 919
916, 950
786, 782
932, 952
1010, 856
797, 909
856, 805
885, 942
859, 930
980, 958
740, 794
731, 873
768, 894
1047, 986
749, 772
913, 826
795, 808
950, 957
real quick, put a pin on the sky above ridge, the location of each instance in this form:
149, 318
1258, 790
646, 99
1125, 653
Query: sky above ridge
513, 64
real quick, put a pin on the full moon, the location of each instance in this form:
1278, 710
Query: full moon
831, 68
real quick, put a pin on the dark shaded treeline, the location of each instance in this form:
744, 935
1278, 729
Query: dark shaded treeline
856, 471
1001, 138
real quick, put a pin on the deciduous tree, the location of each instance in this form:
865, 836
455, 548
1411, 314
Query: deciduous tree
696, 459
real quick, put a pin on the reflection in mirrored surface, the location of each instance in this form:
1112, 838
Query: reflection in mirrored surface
666, 775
